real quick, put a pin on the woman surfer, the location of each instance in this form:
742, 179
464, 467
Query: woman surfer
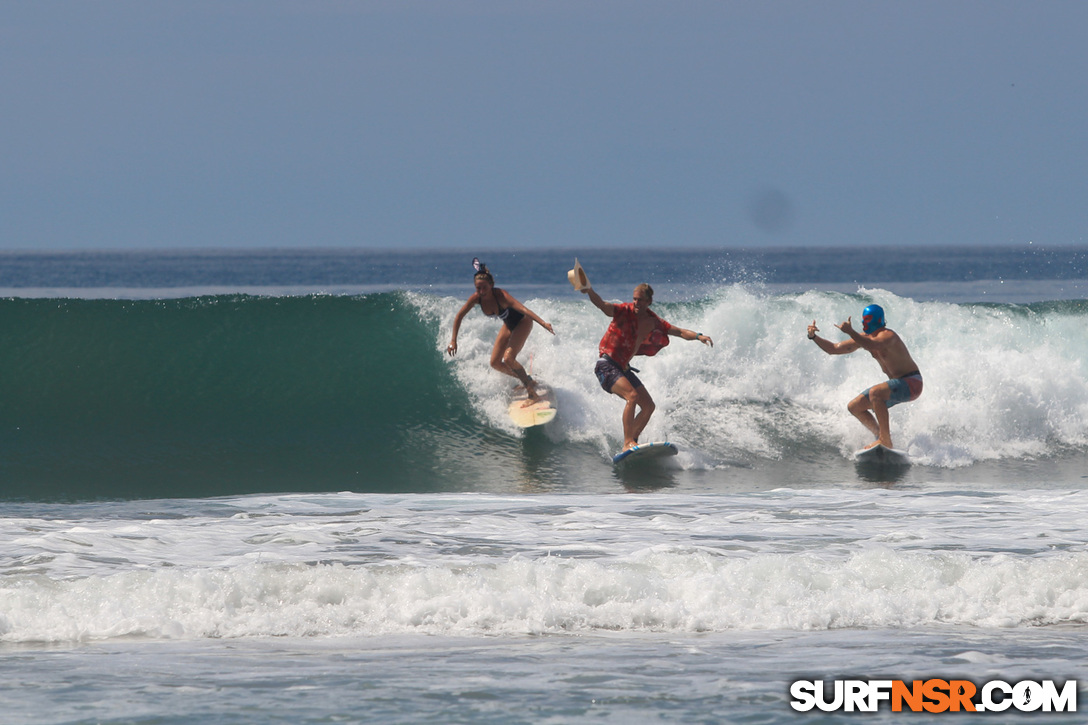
517, 324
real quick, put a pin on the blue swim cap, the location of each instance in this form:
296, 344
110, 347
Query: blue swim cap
872, 319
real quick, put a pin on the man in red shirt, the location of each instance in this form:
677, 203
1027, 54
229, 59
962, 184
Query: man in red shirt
635, 330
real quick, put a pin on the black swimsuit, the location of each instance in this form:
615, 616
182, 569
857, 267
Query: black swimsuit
510, 317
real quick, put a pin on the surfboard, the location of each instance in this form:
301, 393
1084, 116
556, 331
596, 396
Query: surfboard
646, 451
882, 455
527, 414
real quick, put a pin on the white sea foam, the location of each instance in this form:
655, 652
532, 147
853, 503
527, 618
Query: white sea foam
345, 565
659, 589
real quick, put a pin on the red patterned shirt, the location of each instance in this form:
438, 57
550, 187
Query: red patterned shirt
622, 334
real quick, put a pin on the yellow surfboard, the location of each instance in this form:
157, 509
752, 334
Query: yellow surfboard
526, 413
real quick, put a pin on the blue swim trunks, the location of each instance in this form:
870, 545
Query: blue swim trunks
608, 372
904, 389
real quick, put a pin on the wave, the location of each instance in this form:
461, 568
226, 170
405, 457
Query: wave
198, 396
204, 396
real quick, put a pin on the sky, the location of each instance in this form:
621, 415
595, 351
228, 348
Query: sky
499, 124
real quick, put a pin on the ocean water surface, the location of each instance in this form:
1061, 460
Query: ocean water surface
251, 487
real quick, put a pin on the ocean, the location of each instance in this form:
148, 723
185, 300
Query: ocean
251, 487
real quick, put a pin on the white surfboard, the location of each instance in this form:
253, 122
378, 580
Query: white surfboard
646, 451
882, 455
526, 413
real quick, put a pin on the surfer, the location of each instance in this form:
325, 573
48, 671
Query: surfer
635, 330
517, 324
904, 381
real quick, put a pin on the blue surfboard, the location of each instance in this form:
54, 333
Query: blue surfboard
646, 451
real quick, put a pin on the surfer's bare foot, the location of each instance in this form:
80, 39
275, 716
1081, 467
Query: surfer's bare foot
628, 445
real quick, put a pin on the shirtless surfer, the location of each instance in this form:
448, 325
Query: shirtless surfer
517, 324
635, 330
904, 381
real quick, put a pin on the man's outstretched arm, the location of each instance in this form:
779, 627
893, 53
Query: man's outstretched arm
831, 348
605, 307
690, 335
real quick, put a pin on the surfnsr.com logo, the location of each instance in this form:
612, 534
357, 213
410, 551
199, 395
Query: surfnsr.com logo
934, 695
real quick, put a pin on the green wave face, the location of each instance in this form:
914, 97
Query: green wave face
215, 395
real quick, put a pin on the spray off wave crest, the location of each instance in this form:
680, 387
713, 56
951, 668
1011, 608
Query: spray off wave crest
1001, 381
